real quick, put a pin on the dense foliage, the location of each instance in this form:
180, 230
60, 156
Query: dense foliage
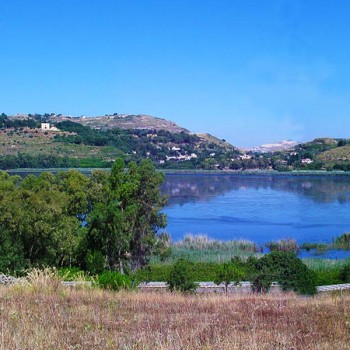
282, 267
180, 277
6, 123
113, 280
105, 221
286, 269
228, 273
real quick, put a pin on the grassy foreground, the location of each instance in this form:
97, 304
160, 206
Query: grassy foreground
50, 316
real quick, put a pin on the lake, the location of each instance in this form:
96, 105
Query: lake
259, 208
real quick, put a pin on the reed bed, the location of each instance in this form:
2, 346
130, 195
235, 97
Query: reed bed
203, 242
284, 245
201, 248
67, 318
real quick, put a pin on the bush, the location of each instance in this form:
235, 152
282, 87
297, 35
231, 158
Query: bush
286, 269
181, 276
95, 262
71, 274
114, 281
345, 273
228, 273
327, 277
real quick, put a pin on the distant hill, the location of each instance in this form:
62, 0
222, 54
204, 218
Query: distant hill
320, 154
125, 121
98, 141
275, 147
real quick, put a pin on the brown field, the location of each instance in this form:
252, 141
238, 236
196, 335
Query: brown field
54, 317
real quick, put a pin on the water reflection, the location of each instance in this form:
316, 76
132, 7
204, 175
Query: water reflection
182, 189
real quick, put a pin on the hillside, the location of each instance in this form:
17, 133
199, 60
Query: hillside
129, 121
334, 155
320, 154
97, 142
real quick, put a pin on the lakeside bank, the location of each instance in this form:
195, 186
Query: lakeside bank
20, 171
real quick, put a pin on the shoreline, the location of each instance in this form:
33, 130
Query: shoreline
196, 172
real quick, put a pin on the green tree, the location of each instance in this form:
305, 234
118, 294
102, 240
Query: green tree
228, 274
37, 220
125, 225
181, 276
286, 269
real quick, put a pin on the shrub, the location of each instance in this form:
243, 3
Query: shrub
228, 273
95, 262
327, 277
345, 273
114, 281
285, 268
181, 276
72, 274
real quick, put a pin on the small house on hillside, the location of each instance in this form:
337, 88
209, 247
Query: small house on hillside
47, 127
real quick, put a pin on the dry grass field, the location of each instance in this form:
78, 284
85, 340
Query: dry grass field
46, 315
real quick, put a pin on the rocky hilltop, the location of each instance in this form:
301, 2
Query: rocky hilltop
275, 147
123, 121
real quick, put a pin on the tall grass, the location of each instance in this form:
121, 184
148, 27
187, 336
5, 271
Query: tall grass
342, 242
203, 242
96, 319
284, 245
327, 271
201, 248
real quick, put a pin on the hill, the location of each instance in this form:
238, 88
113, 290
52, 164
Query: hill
98, 141
129, 121
320, 154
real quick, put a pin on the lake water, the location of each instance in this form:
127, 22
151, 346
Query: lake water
259, 208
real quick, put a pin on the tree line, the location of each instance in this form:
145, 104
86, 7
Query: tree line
109, 220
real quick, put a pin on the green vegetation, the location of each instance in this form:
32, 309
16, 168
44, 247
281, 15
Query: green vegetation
105, 221
113, 280
180, 277
200, 248
329, 271
98, 142
320, 154
341, 242
286, 269
228, 273
6, 123
109, 225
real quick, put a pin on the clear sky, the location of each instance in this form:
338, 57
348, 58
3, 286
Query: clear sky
248, 71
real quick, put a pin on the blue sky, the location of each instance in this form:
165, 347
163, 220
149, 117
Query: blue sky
248, 71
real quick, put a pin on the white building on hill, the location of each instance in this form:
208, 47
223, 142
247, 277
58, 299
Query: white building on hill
47, 127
